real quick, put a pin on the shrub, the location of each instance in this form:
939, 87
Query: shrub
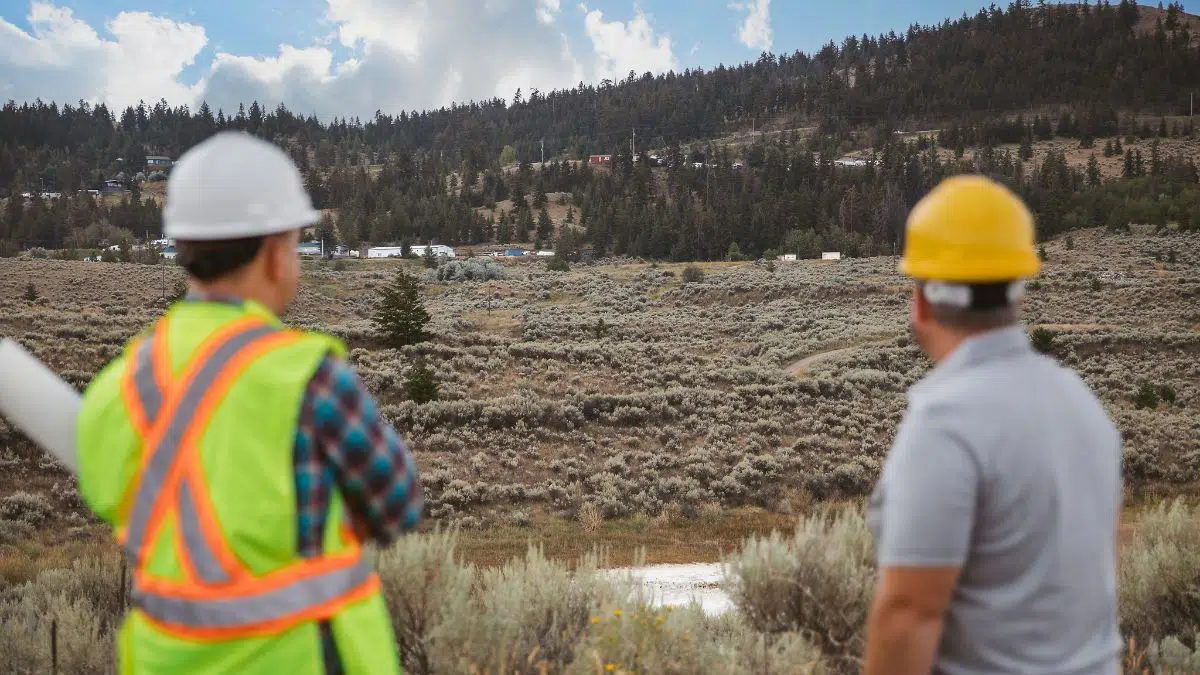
31, 293
818, 582
401, 316
421, 385
692, 275
1167, 393
1160, 575
1096, 285
25, 507
340, 265
1145, 397
39, 253
558, 265
1042, 340
179, 291
1070, 243
472, 269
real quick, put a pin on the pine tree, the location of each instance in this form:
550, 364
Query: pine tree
545, 228
1093, 171
525, 224
1130, 170
401, 317
421, 385
31, 293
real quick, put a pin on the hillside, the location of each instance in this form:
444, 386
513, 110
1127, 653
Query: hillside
1019, 94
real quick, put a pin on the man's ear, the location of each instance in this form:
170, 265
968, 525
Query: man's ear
921, 310
277, 248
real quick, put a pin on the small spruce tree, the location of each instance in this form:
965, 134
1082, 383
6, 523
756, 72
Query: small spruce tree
401, 316
1042, 340
31, 293
421, 385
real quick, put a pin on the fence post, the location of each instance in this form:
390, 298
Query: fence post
54, 646
124, 593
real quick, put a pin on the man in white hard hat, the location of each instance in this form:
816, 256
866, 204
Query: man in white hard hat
242, 463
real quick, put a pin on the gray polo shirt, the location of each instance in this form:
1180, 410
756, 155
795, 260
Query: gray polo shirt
1007, 465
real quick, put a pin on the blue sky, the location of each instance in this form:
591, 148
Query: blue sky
359, 55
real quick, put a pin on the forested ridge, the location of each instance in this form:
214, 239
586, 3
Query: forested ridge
1103, 68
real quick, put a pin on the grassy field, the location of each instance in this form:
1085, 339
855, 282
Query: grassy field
616, 408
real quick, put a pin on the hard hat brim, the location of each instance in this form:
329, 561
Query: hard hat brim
227, 231
974, 273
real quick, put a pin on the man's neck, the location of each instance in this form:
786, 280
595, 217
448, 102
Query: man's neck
229, 290
944, 345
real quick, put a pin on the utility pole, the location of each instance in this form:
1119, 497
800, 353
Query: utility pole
633, 145
543, 151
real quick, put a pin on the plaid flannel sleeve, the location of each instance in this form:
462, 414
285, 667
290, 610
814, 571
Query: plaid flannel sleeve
368, 460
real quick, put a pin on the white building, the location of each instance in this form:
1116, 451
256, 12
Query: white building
385, 252
438, 249
419, 251
788, 257
834, 255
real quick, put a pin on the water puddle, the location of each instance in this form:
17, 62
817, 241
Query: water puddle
679, 585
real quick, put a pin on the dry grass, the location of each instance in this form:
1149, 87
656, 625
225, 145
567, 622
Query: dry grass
659, 540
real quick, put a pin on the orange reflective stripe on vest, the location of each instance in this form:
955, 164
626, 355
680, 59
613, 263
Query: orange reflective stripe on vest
219, 597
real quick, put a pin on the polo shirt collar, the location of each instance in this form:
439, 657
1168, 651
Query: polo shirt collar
979, 349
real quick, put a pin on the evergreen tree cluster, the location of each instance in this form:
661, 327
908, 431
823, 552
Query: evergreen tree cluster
421, 177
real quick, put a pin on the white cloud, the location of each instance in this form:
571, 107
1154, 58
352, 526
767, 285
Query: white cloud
64, 59
547, 10
402, 55
755, 30
622, 47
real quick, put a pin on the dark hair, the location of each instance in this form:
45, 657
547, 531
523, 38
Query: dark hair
990, 308
210, 260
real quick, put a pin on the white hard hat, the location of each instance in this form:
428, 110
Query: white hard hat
234, 185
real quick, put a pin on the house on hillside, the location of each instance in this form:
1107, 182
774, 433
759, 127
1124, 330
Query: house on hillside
309, 248
831, 255
788, 257
158, 162
115, 186
600, 159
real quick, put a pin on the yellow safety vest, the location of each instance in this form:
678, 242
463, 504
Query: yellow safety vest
186, 446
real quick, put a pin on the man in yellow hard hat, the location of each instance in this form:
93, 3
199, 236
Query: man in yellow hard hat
995, 515
240, 462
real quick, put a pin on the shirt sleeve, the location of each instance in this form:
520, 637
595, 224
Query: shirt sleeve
929, 501
370, 463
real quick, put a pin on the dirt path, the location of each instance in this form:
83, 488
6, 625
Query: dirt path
800, 368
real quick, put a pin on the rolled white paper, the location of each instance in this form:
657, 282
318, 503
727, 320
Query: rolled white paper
39, 403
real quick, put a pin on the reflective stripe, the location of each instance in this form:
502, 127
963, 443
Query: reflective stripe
162, 458
222, 599
150, 395
250, 609
208, 568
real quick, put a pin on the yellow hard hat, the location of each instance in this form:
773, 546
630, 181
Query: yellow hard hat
972, 230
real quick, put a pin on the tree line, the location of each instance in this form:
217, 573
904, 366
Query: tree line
415, 177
